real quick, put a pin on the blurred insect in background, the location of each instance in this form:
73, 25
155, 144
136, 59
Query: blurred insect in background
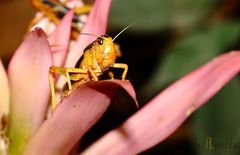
55, 10
97, 58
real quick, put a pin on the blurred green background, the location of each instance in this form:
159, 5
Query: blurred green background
170, 39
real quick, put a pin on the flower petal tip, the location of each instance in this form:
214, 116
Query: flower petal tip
39, 31
29, 85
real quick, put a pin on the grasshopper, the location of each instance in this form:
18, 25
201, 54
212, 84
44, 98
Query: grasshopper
97, 58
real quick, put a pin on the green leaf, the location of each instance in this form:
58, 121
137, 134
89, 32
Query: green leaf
155, 15
218, 122
191, 52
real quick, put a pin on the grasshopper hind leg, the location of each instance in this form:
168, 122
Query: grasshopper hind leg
72, 74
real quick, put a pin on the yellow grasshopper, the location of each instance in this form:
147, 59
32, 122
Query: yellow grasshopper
97, 58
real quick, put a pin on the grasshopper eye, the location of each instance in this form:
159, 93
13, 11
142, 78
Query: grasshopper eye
100, 40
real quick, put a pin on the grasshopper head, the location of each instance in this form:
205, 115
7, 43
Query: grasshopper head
107, 51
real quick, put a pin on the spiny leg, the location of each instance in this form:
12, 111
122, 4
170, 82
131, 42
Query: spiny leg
63, 71
75, 85
52, 90
74, 77
69, 84
92, 73
123, 66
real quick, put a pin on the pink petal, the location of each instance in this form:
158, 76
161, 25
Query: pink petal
96, 24
4, 92
29, 86
74, 116
167, 111
59, 39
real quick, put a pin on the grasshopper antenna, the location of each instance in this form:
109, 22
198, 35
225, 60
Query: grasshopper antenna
123, 30
89, 34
